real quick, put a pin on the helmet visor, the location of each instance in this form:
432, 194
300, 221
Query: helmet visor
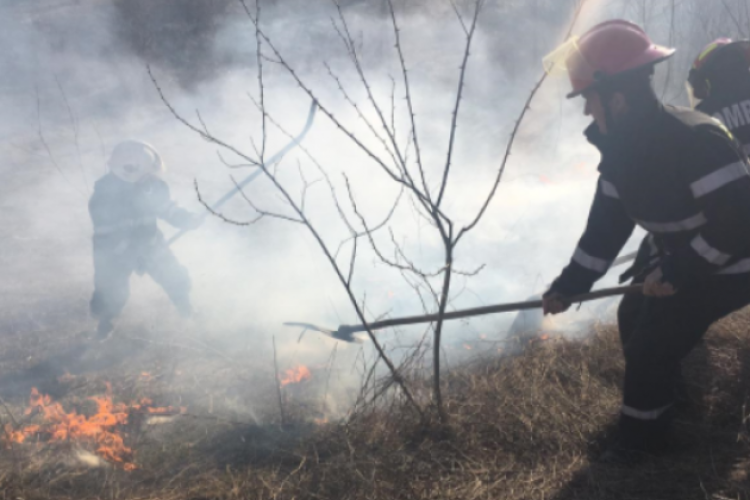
568, 60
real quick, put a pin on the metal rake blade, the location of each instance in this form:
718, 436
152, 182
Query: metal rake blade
343, 334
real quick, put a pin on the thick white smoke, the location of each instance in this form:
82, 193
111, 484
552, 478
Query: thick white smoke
75, 83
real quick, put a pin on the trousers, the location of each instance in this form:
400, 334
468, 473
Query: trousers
656, 335
112, 271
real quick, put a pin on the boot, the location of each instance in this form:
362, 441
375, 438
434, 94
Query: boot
637, 440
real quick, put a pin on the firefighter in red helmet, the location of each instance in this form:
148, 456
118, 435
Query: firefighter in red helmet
682, 177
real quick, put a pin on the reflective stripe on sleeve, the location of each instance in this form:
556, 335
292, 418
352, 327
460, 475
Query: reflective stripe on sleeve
643, 414
739, 267
718, 179
688, 224
708, 252
609, 189
589, 262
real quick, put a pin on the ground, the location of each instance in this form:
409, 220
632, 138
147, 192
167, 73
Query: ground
523, 426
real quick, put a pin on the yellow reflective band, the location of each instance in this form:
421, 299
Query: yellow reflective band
704, 54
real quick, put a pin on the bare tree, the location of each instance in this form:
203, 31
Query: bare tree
403, 161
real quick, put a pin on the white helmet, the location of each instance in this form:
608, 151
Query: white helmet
132, 160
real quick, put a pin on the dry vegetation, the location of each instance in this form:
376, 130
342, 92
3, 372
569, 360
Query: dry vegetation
521, 427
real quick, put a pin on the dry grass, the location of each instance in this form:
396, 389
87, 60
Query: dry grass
522, 427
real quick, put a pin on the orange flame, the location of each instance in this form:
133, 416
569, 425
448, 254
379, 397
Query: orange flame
99, 431
296, 375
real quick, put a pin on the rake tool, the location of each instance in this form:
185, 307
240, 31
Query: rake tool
346, 332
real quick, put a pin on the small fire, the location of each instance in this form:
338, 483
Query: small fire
296, 375
98, 431
467, 347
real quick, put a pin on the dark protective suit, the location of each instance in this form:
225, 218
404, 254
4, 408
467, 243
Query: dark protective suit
681, 176
729, 102
127, 239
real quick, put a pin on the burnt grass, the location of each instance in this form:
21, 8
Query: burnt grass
524, 426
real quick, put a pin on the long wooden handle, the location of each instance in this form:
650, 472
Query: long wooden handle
270, 161
479, 311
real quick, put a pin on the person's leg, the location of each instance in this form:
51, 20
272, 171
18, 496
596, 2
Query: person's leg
627, 315
165, 269
111, 288
666, 330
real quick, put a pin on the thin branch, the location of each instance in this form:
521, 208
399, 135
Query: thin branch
261, 213
390, 132
303, 219
459, 94
235, 165
354, 234
373, 245
74, 126
512, 139
261, 86
397, 162
46, 146
470, 273
459, 17
409, 103
278, 384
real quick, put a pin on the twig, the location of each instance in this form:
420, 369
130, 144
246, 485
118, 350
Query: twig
74, 126
52, 159
511, 141
278, 384
459, 94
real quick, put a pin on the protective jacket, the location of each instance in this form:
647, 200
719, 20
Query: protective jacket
732, 107
127, 240
682, 177
124, 214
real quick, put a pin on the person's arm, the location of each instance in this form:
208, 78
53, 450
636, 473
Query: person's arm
175, 215
607, 230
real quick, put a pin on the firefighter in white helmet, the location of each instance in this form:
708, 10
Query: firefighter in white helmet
124, 208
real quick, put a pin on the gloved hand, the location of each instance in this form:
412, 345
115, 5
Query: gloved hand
655, 286
554, 303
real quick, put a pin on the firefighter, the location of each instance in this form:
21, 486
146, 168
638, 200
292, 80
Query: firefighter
720, 85
682, 177
124, 208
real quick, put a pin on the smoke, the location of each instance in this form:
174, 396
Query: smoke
71, 94
177, 35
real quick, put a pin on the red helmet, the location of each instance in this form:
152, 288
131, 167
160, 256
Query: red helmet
605, 52
700, 72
